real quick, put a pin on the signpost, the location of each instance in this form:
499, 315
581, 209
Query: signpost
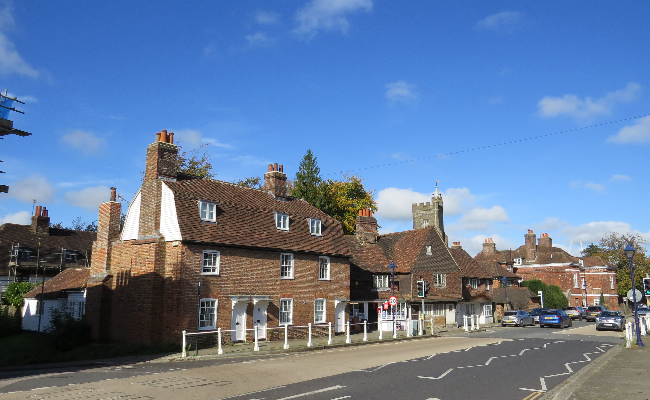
392, 300
630, 295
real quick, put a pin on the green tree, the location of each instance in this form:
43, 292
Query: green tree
592, 250
535, 285
194, 163
15, 291
611, 250
254, 182
308, 184
601, 299
343, 200
554, 298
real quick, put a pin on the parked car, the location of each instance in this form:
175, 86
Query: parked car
517, 318
573, 312
593, 311
535, 313
583, 311
610, 320
555, 318
642, 310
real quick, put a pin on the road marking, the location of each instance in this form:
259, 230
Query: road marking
344, 397
313, 392
533, 396
440, 377
249, 393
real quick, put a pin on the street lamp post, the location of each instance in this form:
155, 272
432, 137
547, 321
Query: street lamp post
504, 280
392, 267
629, 253
586, 301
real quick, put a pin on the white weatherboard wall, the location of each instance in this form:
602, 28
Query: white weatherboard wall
30, 313
132, 222
168, 218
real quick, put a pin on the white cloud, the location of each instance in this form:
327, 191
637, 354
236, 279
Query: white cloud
267, 17
480, 219
637, 133
328, 15
195, 138
85, 141
21, 218
571, 105
10, 61
500, 20
88, 198
594, 231
616, 178
259, 38
395, 204
474, 245
401, 91
456, 201
597, 187
35, 187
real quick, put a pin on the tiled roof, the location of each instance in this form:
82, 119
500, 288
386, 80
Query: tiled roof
50, 244
245, 217
516, 295
469, 267
595, 261
70, 279
544, 255
407, 250
496, 270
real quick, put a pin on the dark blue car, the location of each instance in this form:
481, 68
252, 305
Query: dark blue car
554, 318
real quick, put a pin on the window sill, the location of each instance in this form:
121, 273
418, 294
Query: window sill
208, 328
209, 273
381, 289
324, 279
317, 235
284, 278
207, 221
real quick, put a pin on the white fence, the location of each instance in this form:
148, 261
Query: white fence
630, 331
321, 333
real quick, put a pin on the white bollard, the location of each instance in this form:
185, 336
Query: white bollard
471, 318
642, 326
184, 353
220, 349
408, 327
421, 325
465, 326
309, 342
628, 335
329, 326
477, 323
286, 336
431, 326
394, 329
347, 337
365, 330
380, 326
255, 335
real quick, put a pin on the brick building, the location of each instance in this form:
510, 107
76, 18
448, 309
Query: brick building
538, 259
201, 254
36, 251
477, 286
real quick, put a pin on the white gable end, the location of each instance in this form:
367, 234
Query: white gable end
131, 227
168, 218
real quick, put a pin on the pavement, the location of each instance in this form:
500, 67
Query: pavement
620, 373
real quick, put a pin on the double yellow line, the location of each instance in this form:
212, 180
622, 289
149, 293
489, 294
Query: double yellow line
533, 395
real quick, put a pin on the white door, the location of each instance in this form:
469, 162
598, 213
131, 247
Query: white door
340, 317
238, 321
259, 319
450, 314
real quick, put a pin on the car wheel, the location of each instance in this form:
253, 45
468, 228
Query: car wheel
598, 328
503, 325
570, 323
580, 318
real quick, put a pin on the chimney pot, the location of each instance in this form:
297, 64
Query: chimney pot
163, 136
37, 212
171, 137
281, 168
270, 167
45, 212
157, 136
113, 194
275, 166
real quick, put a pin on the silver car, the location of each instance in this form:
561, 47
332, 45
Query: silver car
610, 320
517, 318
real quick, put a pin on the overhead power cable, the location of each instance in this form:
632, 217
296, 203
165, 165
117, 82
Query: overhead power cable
489, 146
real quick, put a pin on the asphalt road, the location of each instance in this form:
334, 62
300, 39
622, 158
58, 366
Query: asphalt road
503, 363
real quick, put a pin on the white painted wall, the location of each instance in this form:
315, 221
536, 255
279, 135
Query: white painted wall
30, 313
168, 218
132, 222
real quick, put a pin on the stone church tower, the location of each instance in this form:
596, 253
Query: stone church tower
430, 214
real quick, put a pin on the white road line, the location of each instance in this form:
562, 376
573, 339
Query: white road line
440, 377
344, 397
258, 391
313, 392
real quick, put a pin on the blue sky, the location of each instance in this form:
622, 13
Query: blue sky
394, 92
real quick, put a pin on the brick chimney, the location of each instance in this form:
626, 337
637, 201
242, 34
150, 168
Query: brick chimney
41, 221
275, 181
545, 241
366, 230
162, 165
456, 245
489, 247
531, 245
108, 230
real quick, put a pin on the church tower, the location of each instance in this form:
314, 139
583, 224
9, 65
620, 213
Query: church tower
430, 214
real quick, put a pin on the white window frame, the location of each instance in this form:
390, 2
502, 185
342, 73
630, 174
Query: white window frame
583, 282
208, 211
612, 282
204, 304
519, 261
40, 307
473, 282
487, 309
487, 284
440, 280
429, 249
576, 281
377, 280
286, 265
434, 309
285, 308
315, 227
425, 223
282, 221
322, 304
216, 258
324, 268
76, 309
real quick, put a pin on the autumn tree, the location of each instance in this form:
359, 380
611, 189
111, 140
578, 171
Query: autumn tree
253, 182
196, 164
611, 249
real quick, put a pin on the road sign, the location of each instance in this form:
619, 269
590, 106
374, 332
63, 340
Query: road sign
392, 300
638, 295
386, 306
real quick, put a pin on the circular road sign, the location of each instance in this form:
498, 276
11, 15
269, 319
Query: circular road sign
638, 295
392, 300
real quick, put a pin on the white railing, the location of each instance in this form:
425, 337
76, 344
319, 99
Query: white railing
630, 330
471, 322
322, 331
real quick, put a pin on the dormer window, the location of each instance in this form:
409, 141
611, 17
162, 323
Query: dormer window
208, 211
519, 261
282, 221
314, 226
429, 249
